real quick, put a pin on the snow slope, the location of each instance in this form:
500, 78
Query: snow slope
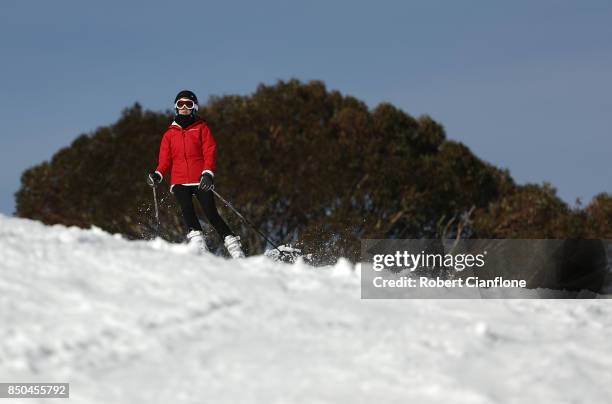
146, 322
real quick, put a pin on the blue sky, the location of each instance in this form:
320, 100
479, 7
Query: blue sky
526, 85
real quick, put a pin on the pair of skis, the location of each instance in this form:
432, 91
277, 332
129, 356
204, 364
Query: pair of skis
280, 252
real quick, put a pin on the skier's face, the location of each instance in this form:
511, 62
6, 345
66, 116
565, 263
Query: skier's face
185, 111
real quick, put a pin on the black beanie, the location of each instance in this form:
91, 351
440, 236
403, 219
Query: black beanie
186, 94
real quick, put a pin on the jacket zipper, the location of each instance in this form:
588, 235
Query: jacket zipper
185, 153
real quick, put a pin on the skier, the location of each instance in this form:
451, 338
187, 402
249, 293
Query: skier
189, 151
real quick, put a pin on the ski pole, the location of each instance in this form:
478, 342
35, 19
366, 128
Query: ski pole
229, 205
156, 212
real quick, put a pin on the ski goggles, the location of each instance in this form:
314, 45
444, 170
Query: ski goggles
181, 104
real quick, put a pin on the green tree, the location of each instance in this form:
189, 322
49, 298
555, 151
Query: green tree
306, 165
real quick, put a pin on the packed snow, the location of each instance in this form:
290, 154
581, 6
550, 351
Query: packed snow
148, 322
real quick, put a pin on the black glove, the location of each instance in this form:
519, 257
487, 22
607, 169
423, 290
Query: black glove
153, 179
206, 182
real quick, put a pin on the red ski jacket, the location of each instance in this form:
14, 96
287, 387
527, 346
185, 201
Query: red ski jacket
187, 153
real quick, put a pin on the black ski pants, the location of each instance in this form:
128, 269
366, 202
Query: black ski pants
184, 196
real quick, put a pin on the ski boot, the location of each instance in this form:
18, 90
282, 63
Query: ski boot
232, 243
196, 242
